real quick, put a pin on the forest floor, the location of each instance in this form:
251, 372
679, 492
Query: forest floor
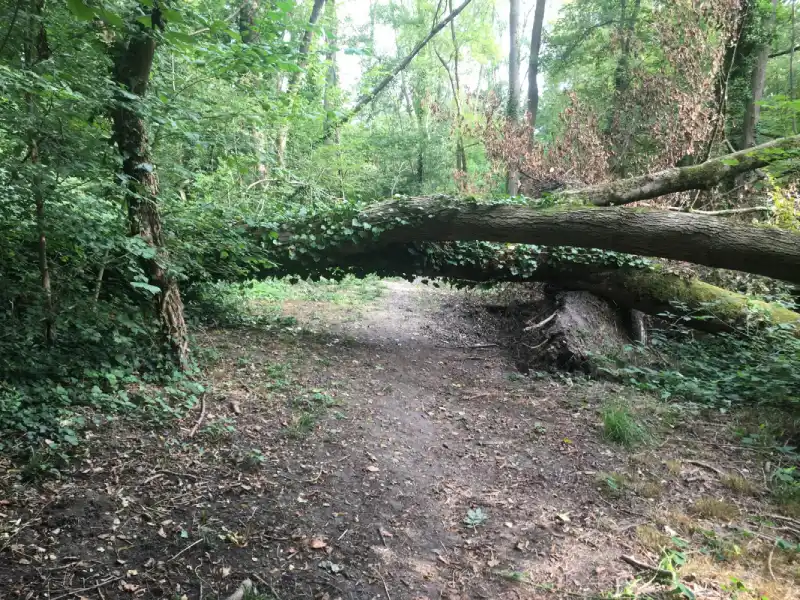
384, 446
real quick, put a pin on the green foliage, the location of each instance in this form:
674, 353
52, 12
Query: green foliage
475, 518
721, 370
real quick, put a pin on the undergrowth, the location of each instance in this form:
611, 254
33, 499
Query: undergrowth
720, 370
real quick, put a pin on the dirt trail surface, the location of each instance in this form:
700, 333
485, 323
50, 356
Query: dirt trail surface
388, 451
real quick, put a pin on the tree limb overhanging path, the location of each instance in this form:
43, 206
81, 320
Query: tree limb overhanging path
593, 218
514, 240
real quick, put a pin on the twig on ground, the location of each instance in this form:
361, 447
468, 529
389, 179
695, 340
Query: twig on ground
88, 589
192, 545
782, 518
385, 587
269, 585
201, 417
380, 533
470, 346
541, 323
645, 567
705, 465
769, 562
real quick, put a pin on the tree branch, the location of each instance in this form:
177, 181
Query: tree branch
369, 97
697, 177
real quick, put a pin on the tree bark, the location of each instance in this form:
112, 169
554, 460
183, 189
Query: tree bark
757, 81
133, 61
533, 68
512, 110
699, 239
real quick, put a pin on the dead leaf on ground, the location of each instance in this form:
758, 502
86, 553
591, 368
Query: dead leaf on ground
373, 469
317, 544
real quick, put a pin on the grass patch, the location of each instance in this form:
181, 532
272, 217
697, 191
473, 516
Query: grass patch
652, 539
347, 292
674, 467
621, 426
715, 508
739, 484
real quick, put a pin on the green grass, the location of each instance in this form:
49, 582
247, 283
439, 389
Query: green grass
621, 426
347, 292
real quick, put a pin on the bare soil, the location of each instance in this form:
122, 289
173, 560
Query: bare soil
340, 459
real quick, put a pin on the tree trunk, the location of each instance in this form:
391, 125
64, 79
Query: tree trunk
38, 50
133, 61
297, 77
461, 154
533, 69
330, 102
512, 110
757, 81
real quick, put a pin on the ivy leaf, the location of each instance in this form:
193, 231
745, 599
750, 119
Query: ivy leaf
141, 285
111, 18
81, 10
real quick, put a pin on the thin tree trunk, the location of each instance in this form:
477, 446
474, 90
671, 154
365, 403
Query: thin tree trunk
297, 77
332, 75
133, 61
757, 80
512, 110
533, 69
38, 50
791, 72
369, 97
461, 154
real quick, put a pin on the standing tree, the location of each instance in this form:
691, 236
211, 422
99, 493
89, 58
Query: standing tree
533, 69
757, 80
133, 61
512, 110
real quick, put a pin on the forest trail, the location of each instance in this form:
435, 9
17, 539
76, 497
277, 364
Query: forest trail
364, 451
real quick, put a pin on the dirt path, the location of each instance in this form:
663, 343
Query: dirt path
340, 459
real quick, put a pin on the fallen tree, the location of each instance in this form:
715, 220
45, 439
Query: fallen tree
559, 240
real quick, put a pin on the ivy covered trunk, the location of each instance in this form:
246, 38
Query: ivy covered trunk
132, 64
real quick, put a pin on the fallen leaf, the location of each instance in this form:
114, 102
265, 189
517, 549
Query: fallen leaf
567, 441
150, 562
317, 544
236, 407
509, 524
386, 533
492, 563
564, 517
373, 469
162, 533
225, 572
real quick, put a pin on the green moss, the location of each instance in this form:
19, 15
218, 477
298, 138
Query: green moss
728, 306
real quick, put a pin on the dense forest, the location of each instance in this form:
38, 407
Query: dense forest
160, 159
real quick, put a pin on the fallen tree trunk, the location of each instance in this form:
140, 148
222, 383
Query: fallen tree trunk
698, 239
628, 281
575, 247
